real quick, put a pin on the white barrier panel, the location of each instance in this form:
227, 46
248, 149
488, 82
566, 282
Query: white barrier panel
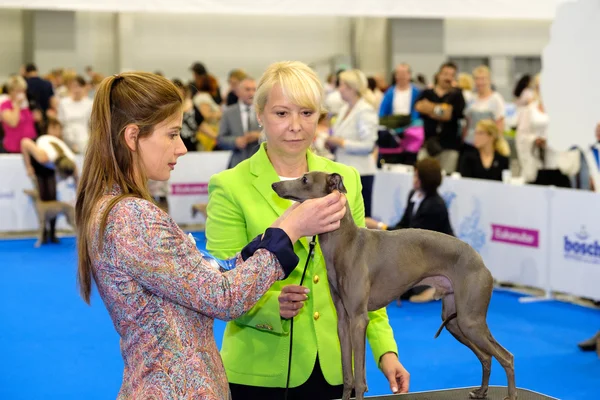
189, 183
17, 212
575, 243
505, 224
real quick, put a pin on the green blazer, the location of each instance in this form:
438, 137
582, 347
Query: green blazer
255, 347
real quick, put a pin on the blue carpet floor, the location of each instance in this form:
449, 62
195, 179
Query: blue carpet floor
54, 346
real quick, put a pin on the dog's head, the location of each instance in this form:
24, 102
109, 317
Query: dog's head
310, 186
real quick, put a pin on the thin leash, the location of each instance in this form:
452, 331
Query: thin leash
310, 251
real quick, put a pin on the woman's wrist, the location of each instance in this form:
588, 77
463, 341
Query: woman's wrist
290, 231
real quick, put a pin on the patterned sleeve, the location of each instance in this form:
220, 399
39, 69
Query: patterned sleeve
148, 245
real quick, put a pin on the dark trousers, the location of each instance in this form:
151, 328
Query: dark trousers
367, 192
46, 181
315, 388
46, 184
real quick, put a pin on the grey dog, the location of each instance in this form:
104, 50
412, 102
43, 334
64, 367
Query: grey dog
47, 210
367, 269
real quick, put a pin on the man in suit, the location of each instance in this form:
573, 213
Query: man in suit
239, 130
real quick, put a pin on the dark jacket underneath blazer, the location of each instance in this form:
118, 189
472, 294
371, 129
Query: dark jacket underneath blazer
432, 215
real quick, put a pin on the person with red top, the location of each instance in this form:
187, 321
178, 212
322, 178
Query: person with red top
18, 121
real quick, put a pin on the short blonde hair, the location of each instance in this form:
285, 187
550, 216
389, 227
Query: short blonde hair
16, 82
465, 81
69, 76
299, 83
491, 128
357, 81
482, 70
238, 74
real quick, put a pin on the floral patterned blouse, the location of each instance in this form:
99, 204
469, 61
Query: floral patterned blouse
163, 295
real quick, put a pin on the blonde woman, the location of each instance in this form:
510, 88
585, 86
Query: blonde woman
289, 102
486, 104
466, 84
491, 157
355, 131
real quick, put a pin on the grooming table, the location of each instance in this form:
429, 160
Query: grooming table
494, 393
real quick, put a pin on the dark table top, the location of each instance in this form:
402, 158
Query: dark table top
494, 393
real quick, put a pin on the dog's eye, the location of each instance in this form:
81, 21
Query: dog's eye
304, 180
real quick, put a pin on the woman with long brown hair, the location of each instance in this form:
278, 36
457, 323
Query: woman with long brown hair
161, 292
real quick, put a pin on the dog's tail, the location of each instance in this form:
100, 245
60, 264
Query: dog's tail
448, 319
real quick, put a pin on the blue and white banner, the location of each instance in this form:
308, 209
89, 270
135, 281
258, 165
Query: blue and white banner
505, 224
575, 243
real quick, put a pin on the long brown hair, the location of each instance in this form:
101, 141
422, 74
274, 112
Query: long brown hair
138, 98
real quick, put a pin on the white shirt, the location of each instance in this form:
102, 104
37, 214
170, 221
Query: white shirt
533, 124
44, 142
244, 112
402, 100
491, 107
358, 127
417, 199
334, 102
75, 119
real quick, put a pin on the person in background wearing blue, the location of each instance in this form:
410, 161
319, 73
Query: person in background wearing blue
400, 98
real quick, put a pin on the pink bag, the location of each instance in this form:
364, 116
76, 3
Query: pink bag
411, 142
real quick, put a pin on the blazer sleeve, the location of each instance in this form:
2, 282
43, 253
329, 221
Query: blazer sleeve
429, 216
226, 138
404, 220
225, 236
149, 247
379, 332
466, 166
367, 124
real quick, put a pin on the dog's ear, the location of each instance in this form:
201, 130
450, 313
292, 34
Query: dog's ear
335, 182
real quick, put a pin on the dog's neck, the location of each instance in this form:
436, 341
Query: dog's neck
347, 226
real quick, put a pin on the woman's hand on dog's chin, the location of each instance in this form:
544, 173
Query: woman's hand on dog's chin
313, 216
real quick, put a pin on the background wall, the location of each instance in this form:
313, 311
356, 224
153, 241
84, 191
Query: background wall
171, 42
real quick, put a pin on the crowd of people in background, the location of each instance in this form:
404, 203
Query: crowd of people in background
454, 126
459, 120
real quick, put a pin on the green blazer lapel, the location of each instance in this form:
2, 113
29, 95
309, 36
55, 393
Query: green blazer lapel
316, 163
265, 176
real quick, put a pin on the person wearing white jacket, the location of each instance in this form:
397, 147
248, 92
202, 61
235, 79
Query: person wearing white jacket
354, 131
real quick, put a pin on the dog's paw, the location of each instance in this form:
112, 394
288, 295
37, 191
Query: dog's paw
478, 394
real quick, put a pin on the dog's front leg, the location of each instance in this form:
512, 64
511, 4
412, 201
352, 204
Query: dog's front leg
42, 230
345, 345
358, 328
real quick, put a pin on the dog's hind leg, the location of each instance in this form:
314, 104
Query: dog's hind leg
358, 329
475, 329
345, 345
449, 308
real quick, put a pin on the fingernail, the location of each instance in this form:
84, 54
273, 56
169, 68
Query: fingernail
394, 389
306, 290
